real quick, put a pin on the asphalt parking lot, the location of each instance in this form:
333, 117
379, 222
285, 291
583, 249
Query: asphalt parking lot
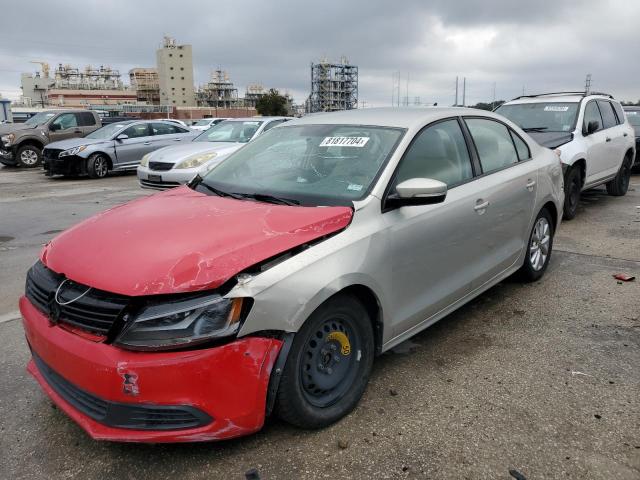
541, 378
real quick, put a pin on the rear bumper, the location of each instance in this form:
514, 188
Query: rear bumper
225, 387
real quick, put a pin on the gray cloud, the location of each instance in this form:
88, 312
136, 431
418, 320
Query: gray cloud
541, 46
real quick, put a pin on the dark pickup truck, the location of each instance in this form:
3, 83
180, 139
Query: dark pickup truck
21, 144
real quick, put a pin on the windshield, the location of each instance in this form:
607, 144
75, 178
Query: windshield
634, 117
230, 131
39, 118
308, 164
106, 132
542, 117
203, 122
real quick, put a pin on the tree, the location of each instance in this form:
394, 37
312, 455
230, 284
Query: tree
272, 103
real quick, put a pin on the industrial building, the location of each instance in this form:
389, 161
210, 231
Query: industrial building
219, 92
334, 86
175, 74
146, 84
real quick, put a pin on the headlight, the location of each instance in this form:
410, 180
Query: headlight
178, 324
196, 160
8, 139
72, 151
145, 160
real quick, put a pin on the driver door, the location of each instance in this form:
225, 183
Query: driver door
130, 151
435, 248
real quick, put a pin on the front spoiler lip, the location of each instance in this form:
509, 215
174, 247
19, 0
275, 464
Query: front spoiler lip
228, 382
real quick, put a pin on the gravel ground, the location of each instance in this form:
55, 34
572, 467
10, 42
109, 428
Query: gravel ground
540, 378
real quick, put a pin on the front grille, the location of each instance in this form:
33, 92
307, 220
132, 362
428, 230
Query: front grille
160, 166
122, 415
160, 185
96, 311
52, 153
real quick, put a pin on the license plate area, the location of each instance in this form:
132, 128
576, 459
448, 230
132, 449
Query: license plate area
155, 178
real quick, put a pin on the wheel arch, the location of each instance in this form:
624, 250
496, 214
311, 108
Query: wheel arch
553, 211
30, 141
581, 164
104, 154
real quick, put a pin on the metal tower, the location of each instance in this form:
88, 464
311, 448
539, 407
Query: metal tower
334, 86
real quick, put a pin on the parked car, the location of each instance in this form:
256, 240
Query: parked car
108, 120
21, 144
272, 282
206, 123
589, 133
633, 117
177, 165
117, 146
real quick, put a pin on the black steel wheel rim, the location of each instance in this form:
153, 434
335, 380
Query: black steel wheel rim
626, 176
573, 194
329, 365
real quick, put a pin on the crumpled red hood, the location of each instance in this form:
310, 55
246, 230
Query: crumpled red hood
181, 240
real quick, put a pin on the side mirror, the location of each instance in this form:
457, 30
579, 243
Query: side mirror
593, 126
55, 127
418, 191
122, 136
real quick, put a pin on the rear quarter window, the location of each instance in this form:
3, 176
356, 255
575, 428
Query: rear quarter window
619, 112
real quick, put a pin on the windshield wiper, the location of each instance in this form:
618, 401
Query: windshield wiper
197, 182
263, 197
535, 129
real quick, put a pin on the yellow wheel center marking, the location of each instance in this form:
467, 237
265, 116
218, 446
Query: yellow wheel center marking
341, 338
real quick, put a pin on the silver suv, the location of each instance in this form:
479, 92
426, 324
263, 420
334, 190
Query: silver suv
590, 133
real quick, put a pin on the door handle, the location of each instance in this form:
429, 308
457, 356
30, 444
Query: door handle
177, 139
608, 139
481, 206
530, 184
77, 131
625, 134
147, 143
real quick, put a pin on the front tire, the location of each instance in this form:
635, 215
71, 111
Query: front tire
97, 166
620, 184
28, 156
328, 366
539, 248
572, 187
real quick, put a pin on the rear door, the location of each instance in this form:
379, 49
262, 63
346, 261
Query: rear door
505, 195
614, 137
130, 151
64, 126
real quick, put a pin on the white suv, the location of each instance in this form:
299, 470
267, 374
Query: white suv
590, 133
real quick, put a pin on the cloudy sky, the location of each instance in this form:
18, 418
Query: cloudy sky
546, 45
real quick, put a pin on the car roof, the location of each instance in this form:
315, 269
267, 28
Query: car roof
257, 119
388, 116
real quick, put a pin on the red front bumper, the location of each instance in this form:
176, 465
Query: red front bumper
229, 382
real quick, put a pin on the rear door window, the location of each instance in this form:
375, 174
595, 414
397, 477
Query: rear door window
493, 143
608, 115
86, 119
166, 129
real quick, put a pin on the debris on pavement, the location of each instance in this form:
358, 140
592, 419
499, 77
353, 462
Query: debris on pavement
624, 277
516, 474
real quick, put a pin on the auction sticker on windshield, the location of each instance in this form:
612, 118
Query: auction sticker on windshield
344, 142
551, 108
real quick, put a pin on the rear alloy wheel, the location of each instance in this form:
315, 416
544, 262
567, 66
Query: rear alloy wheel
28, 156
539, 247
97, 166
328, 366
572, 187
620, 184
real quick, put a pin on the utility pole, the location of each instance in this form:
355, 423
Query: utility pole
493, 102
456, 104
407, 96
464, 91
